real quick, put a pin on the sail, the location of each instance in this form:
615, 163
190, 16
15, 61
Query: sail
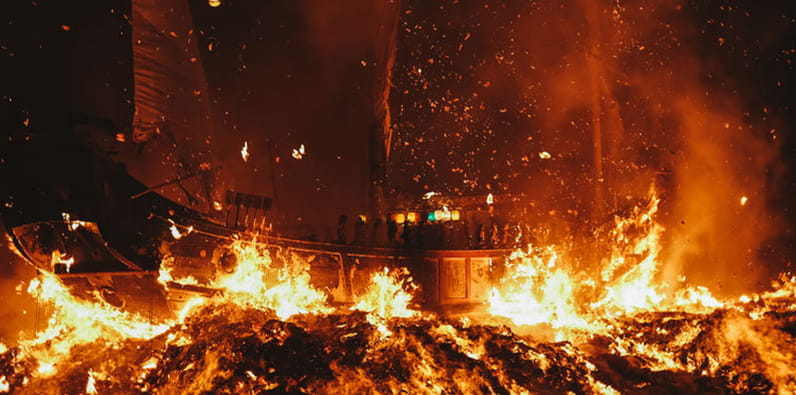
172, 117
380, 134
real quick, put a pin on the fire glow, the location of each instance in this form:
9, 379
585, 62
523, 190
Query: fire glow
541, 289
644, 203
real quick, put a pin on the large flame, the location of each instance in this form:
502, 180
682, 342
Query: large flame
544, 285
388, 295
76, 321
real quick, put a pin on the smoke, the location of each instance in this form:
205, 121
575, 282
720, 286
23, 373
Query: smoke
481, 90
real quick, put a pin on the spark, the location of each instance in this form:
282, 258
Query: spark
545, 155
744, 199
244, 152
490, 199
175, 232
91, 383
299, 152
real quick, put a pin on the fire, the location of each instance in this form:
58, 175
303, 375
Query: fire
544, 286
260, 283
175, 231
91, 383
75, 322
387, 297
537, 291
59, 258
257, 281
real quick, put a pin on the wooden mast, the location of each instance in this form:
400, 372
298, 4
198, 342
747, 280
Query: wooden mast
596, 73
380, 131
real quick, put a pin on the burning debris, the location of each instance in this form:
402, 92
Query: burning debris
547, 330
225, 348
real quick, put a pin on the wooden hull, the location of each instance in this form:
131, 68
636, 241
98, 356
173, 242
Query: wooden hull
447, 278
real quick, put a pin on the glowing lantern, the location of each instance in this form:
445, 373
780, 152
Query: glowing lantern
214, 3
399, 218
446, 214
456, 215
431, 216
439, 215
411, 217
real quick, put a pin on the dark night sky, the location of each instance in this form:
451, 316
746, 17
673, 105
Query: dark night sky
290, 71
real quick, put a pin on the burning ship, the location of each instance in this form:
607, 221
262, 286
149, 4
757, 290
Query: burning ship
169, 266
184, 186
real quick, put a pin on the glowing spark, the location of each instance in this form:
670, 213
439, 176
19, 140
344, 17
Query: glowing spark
545, 155
429, 195
490, 199
176, 232
91, 383
244, 152
299, 153
217, 206
744, 199
58, 257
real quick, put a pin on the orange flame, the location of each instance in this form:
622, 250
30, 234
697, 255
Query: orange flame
542, 286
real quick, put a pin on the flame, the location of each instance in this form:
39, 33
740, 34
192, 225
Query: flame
490, 199
91, 387
77, 321
544, 286
259, 282
175, 231
62, 259
387, 296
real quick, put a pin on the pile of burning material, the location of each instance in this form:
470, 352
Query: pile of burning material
225, 348
228, 349
550, 327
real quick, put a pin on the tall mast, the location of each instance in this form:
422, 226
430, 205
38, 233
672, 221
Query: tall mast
380, 131
596, 75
